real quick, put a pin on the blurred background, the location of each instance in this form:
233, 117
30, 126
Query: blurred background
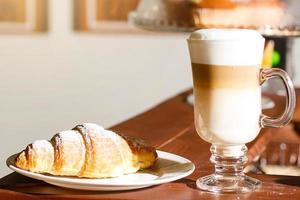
56, 77
72, 61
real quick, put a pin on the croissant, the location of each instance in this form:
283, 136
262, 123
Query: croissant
88, 150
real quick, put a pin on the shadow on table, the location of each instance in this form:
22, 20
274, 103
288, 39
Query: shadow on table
18, 183
292, 181
188, 182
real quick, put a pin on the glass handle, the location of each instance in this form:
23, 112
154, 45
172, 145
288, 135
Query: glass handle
286, 116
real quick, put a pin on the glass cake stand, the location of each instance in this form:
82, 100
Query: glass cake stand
177, 16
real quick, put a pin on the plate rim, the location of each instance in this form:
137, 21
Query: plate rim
76, 181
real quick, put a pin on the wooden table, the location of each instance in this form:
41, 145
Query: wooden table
169, 127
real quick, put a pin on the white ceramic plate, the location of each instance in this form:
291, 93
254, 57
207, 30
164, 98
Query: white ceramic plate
169, 167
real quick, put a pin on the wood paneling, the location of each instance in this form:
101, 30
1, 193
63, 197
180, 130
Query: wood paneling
102, 11
23, 16
113, 10
12, 10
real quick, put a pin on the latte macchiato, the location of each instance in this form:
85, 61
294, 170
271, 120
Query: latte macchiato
227, 88
226, 65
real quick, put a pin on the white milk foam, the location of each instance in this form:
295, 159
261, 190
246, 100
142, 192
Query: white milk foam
238, 47
227, 116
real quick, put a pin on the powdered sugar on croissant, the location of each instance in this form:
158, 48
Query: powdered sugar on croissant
88, 150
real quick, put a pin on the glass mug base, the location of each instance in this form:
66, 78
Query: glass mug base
222, 184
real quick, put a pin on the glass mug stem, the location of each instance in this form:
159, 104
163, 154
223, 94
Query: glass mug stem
228, 166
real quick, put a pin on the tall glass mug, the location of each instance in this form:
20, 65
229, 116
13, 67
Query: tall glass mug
227, 77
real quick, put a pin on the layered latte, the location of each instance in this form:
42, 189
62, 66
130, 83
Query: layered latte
226, 65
